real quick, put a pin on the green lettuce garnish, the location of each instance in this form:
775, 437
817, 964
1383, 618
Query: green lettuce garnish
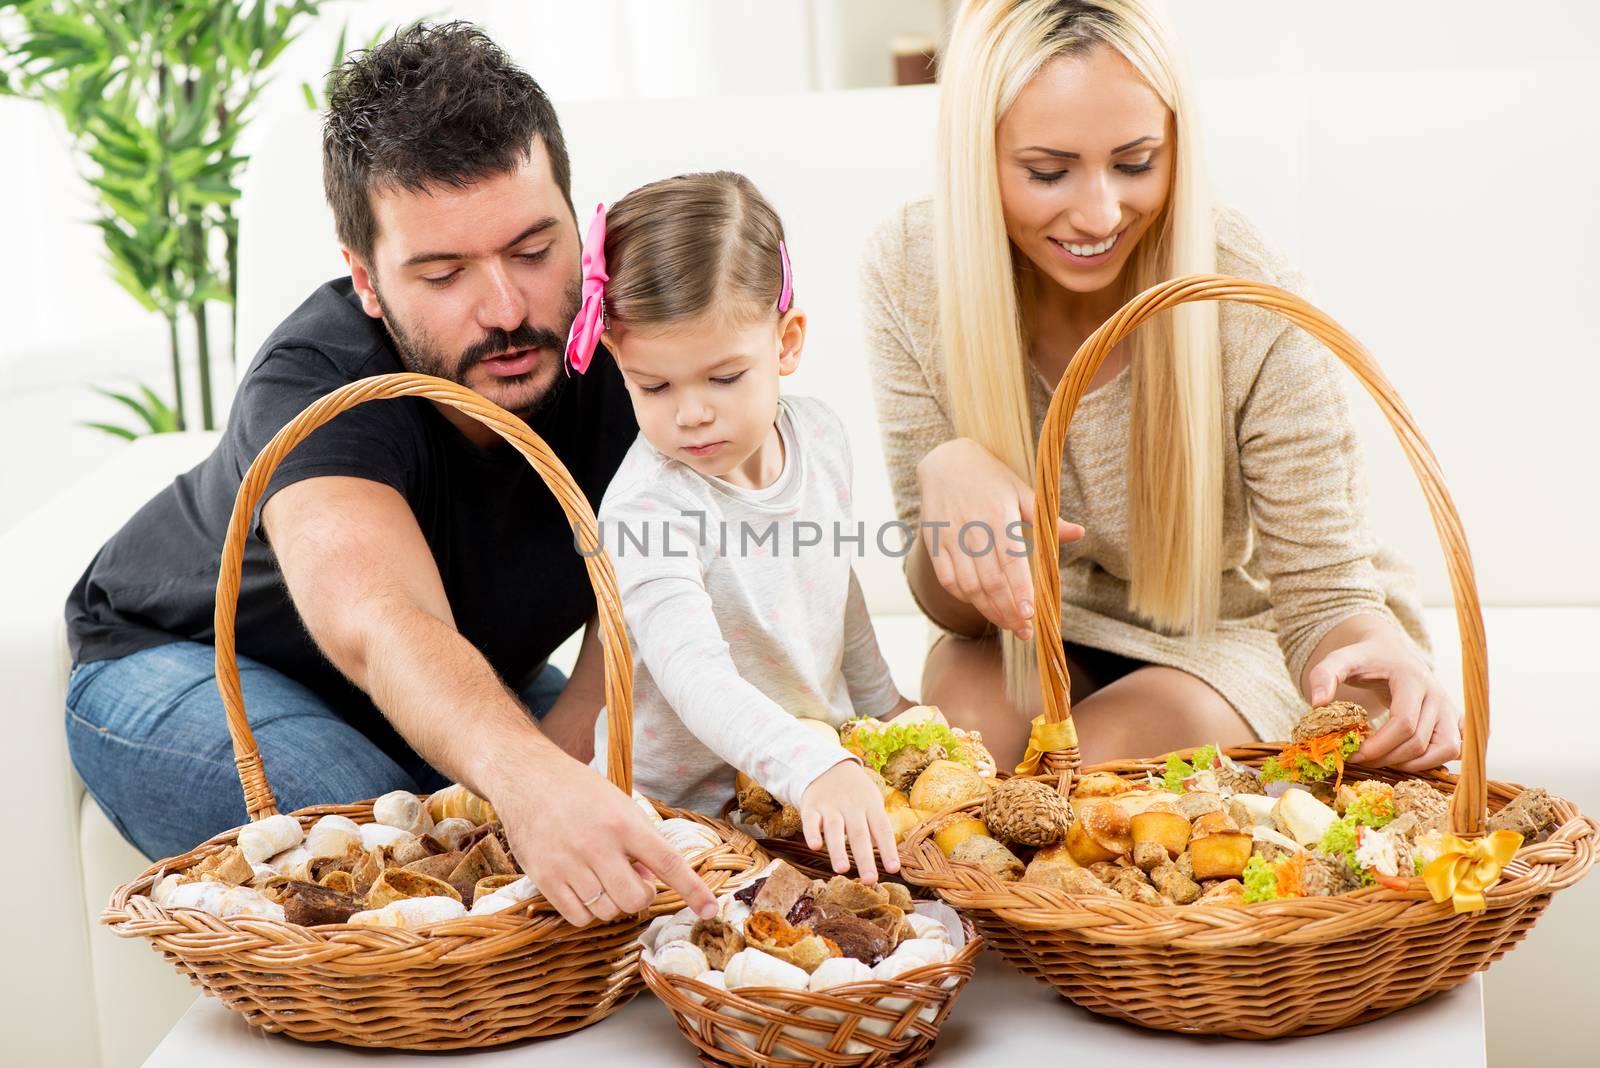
1371, 809
1260, 881
1419, 864
877, 745
1305, 770
1178, 769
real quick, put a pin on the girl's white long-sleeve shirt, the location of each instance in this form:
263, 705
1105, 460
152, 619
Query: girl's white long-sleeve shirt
744, 615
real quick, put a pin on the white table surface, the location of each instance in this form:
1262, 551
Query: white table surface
1000, 1014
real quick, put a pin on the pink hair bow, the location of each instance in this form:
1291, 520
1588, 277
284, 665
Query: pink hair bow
591, 320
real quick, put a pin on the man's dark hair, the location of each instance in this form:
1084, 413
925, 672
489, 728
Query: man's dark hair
432, 106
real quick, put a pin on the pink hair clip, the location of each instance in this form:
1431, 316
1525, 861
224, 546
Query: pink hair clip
591, 320
786, 297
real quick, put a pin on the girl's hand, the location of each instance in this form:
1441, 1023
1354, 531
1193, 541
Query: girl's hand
964, 487
843, 805
1424, 725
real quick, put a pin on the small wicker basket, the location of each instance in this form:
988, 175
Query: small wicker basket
879, 1023
470, 982
1296, 966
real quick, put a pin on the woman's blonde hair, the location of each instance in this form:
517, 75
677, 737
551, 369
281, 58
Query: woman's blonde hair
1175, 430
682, 246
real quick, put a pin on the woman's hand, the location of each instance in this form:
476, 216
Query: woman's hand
1424, 725
966, 489
843, 805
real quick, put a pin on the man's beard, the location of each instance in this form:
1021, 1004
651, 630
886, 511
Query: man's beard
420, 354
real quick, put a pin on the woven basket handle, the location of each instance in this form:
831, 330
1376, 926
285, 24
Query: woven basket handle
1469, 806
258, 798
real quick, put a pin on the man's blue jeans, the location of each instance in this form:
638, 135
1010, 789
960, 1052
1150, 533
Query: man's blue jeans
149, 738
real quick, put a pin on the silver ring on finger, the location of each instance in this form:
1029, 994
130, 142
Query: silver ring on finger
588, 903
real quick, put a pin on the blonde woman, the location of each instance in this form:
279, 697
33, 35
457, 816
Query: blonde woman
1218, 573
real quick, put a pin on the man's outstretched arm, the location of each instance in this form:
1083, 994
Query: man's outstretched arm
366, 586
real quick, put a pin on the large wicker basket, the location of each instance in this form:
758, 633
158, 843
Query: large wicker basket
1296, 966
471, 982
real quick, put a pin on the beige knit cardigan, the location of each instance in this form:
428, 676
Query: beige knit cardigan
1297, 555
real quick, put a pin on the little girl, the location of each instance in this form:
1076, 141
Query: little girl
745, 618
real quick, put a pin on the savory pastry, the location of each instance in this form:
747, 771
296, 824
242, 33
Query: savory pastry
1102, 831
902, 817
438, 866
268, 837
779, 891
1222, 892
1252, 810
457, 800
776, 819
1069, 878
984, 852
718, 939
1220, 854
341, 881
309, 904
1302, 817
1235, 779
1027, 812
1099, 784
800, 946
1172, 884
679, 958
955, 828
1272, 844
1429, 808
1531, 814
507, 896
333, 836
839, 971
449, 832
229, 866
402, 809
411, 913
397, 884
1160, 827
381, 835
1196, 803
1319, 744
944, 783
752, 967
865, 941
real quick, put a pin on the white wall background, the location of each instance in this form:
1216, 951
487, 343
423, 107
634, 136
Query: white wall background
1392, 150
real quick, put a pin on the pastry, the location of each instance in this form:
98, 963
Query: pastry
718, 939
679, 958
450, 832
397, 884
381, 835
1252, 810
411, 913
1220, 854
955, 828
779, 891
457, 800
945, 783
1102, 831
229, 866
402, 809
439, 866
774, 818
984, 852
1027, 812
1168, 830
839, 971
752, 967
308, 904
485, 858
1531, 814
333, 836
1072, 879
1173, 884
856, 937
341, 881
1302, 817
268, 837
1197, 803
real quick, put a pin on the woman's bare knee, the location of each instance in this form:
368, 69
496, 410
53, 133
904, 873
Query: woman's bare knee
1155, 710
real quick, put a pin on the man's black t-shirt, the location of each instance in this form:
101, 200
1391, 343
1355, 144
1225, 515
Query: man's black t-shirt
516, 584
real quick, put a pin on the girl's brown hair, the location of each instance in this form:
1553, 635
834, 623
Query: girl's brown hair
678, 247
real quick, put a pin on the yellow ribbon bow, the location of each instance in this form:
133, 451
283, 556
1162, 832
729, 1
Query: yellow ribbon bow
1046, 737
1466, 869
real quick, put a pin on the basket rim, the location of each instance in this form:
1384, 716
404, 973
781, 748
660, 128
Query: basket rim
1540, 868
133, 913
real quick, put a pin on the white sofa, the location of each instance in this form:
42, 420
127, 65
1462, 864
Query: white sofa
834, 164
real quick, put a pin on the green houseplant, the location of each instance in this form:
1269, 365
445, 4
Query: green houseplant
155, 95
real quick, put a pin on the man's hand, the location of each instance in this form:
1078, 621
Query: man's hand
843, 806
584, 843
